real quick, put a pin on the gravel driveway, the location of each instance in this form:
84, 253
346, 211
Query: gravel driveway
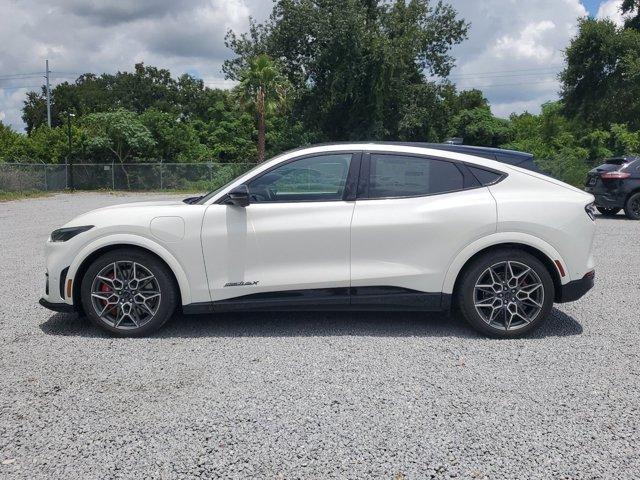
315, 395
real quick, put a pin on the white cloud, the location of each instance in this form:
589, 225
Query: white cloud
611, 9
515, 50
79, 36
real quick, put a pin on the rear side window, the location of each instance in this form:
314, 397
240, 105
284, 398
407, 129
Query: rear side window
408, 176
485, 177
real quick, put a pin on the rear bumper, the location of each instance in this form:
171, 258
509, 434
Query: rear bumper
609, 201
57, 307
606, 198
572, 291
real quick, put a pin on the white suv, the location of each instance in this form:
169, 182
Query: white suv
344, 226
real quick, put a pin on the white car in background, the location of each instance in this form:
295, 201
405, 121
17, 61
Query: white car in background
361, 226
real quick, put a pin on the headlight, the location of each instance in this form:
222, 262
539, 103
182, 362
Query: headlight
591, 211
64, 234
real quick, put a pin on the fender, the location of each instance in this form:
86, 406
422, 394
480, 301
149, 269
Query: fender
496, 239
139, 241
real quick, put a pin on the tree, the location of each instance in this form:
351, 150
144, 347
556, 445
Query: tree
174, 139
628, 7
144, 88
8, 138
601, 81
352, 63
263, 88
479, 127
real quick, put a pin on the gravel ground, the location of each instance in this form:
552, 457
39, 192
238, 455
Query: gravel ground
322, 395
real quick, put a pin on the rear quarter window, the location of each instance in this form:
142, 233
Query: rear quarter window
485, 177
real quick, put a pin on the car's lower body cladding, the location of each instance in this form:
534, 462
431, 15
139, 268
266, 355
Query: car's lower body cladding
576, 289
57, 307
329, 299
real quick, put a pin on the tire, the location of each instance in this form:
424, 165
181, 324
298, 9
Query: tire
112, 303
608, 212
502, 313
632, 207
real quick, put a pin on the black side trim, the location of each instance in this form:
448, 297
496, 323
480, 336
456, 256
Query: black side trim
351, 187
337, 299
393, 298
57, 307
572, 291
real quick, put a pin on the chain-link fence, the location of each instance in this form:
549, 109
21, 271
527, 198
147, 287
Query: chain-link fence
16, 177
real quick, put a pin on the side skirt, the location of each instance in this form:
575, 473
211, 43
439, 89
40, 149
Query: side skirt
329, 299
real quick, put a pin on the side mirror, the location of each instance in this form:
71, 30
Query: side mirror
191, 200
239, 196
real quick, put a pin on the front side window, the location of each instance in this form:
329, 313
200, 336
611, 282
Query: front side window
408, 176
318, 178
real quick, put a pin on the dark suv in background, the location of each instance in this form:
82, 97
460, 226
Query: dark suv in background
616, 185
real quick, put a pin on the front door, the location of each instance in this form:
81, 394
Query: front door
294, 235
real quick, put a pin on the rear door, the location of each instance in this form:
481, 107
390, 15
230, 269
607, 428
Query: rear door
413, 215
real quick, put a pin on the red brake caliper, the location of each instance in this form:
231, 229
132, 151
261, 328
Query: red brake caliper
107, 289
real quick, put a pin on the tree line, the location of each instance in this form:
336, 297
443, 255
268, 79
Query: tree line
341, 70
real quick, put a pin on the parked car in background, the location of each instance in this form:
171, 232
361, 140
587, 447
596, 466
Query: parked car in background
616, 185
510, 157
362, 226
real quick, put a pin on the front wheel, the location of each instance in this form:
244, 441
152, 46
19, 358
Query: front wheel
128, 292
506, 293
632, 207
608, 212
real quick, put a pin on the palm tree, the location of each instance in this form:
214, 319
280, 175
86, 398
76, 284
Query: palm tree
263, 88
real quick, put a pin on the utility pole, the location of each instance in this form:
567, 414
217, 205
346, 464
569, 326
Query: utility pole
69, 158
46, 75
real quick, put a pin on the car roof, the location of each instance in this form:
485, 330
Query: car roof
624, 158
510, 157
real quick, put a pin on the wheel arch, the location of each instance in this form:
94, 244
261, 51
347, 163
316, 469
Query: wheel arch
628, 196
94, 250
539, 249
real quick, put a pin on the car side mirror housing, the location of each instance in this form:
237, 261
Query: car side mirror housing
192, 200
239, 196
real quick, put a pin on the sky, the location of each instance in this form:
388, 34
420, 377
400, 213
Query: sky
513, 54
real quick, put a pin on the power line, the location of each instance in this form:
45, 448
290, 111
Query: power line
536, 74
511, 84
19, 87
512, 70
19, 76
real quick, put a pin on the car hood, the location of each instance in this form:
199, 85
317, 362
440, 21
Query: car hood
136, 210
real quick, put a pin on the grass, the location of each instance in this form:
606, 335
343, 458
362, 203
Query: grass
9, 196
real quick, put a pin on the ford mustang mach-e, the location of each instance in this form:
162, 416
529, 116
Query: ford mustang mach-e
362, 226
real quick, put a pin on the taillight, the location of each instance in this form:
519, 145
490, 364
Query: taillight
614, 175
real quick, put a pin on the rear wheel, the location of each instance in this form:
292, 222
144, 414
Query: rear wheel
632, 207
128, 292
506, 293
608, 211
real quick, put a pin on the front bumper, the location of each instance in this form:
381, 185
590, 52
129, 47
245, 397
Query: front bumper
574, 290
57, 307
